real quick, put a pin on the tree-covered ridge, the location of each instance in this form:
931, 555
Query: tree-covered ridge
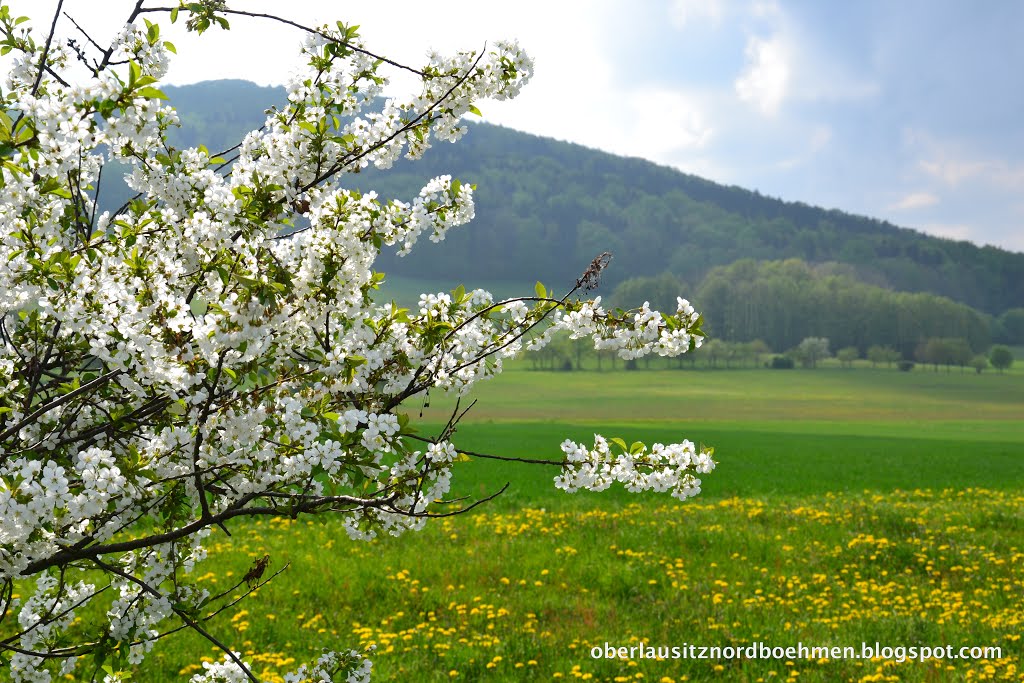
579, 202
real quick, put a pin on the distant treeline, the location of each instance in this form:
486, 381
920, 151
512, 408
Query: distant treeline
783, 302
546, 208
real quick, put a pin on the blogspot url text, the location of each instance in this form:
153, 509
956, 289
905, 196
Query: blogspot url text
759, 650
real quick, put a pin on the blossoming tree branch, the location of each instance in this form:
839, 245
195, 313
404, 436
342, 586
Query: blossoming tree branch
214, 349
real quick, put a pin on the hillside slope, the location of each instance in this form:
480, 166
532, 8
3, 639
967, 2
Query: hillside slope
545, 208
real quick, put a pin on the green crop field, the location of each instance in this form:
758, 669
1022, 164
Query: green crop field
848, 507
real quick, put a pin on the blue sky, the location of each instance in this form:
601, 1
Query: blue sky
908, 111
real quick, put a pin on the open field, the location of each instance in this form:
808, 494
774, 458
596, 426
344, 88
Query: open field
848, 507
785, 397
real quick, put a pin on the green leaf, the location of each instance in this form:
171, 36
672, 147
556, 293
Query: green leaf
619, 442
152, 93
540, 290
134, 71
177, 408
459, 294
474, 110
174, 15
198, 306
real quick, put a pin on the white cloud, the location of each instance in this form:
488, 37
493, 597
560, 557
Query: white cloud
766, 9
765, 80
684, 12
915, 200
954, 163
787, 61
952, 171
666, 120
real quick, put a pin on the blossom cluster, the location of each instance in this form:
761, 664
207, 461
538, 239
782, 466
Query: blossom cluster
648, 331
662, 468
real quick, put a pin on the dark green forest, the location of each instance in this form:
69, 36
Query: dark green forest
545, 208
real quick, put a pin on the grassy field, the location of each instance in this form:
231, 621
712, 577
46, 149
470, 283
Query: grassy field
849, 506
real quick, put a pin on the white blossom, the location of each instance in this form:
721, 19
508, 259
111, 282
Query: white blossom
214, 346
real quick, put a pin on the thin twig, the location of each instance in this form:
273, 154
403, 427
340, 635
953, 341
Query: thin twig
488, 456
461, 511
181, 615
60, 400
348, 161
109, 52
46, 47
260, 15
82, 31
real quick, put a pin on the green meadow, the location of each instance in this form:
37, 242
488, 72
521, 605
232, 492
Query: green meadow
849, 506
793, 432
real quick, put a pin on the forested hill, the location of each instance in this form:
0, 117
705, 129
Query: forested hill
545, 208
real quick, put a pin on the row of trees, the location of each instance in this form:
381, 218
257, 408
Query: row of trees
755, 307
956, 352
563, 353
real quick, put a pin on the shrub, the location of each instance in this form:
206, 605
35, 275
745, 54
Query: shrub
1001, 358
